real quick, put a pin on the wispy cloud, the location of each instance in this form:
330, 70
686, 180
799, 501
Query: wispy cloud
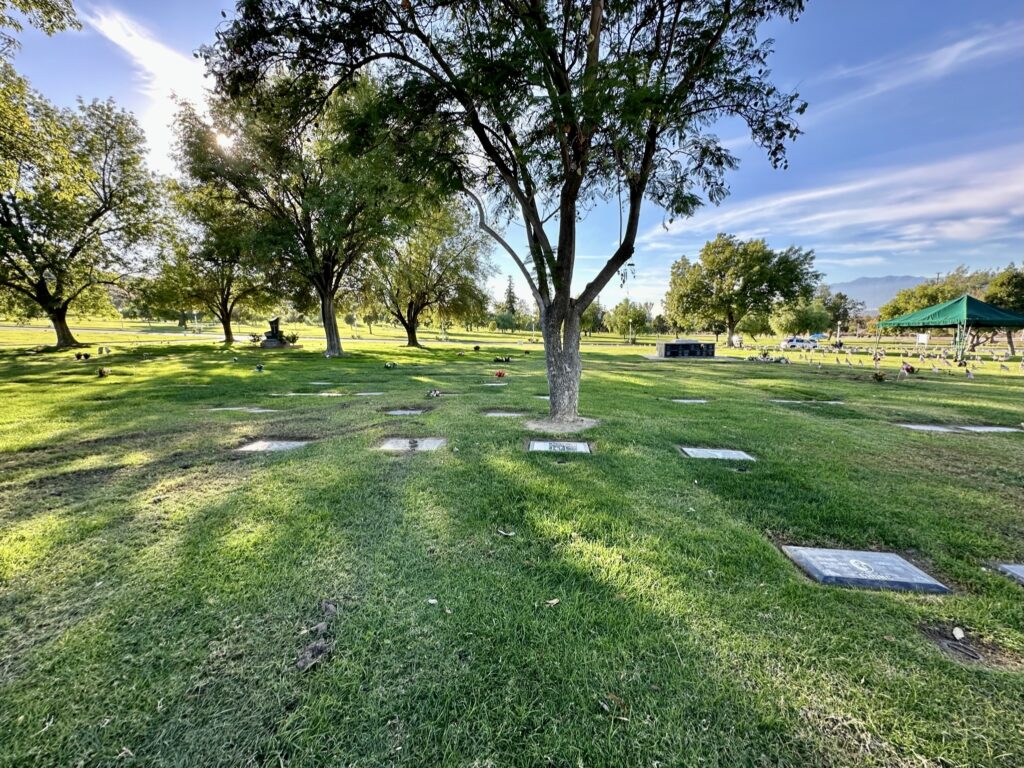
878, 214
856, 261
891, 73
163, 74
883, 75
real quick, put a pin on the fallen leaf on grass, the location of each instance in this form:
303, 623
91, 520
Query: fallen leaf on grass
432, 601
506, 533
552, 603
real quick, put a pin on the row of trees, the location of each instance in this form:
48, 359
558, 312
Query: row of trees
264, 211
539, 110
1004, 288
531, 111
738, 286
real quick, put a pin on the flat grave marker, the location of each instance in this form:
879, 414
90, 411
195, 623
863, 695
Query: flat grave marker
976, 429
502, 414
558, 446
716, 453
543, 397
990, 429
408, 444
496, 384
261, 446
406, 412
856, 568
689, 400
246, 409
321, 383
1014, 570
368, 394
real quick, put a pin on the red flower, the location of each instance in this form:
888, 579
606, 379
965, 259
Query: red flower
500, 374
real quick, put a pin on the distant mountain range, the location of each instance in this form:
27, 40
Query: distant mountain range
876, 291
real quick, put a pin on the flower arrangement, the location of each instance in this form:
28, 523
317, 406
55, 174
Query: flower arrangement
500, 374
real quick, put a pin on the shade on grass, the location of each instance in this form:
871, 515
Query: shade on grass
156, 588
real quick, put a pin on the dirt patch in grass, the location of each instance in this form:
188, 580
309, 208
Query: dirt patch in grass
965, 647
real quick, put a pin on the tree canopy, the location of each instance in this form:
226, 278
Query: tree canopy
843, 310
628, 319
802, 317
331, 189
79, 202
442, 267
734, 278
50, 16
555, 106
216, 257
1006, 289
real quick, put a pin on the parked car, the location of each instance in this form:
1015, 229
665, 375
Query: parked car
796, 342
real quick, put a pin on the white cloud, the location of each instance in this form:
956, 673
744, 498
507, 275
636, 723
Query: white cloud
904, 210
891, 73
856, 261
163, 74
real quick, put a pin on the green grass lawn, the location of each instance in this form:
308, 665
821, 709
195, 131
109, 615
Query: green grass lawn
157, 588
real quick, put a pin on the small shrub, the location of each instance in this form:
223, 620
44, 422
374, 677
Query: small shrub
256, 338
291, 338
103, 373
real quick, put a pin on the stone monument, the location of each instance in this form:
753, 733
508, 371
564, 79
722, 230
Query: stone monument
274, 337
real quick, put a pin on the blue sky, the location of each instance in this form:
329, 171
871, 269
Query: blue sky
912, 160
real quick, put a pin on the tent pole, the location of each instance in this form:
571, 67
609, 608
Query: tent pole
960, 341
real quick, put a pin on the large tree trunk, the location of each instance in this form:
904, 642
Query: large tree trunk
225, 322
330, 321
410, 332
1009, 341
730, 326
562, 347
59, 318
182, 320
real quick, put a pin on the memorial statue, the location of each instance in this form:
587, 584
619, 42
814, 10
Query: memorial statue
274, 337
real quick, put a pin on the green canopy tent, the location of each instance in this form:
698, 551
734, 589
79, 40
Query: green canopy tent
965, 313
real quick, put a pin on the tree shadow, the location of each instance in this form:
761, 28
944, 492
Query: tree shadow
681, 636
